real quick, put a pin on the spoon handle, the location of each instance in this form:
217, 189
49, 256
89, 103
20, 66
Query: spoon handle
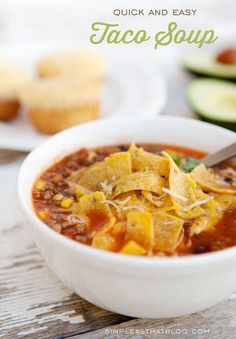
224, 154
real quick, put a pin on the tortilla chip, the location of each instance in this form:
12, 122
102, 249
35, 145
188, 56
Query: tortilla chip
140, 228
104, 241
152, 199
119, 229
148, 181
118, 232
91, 202
119, 164
91, 177
200, 224
209, 180
167, 232
107, 227
213, 212
132, 248
181, 184
226, 200
133, 203
146, 161
113, 167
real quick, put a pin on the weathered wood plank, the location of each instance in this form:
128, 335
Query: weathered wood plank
33, 302
218, 322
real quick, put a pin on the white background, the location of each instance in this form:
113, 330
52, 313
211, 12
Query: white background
50, 21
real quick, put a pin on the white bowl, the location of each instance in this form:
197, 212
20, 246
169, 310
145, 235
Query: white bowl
134, 286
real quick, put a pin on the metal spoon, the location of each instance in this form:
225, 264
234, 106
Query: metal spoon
221, 155
7, 156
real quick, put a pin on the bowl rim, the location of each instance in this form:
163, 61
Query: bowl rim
107, 256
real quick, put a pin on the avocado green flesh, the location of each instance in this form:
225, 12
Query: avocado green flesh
214, 100
204, 63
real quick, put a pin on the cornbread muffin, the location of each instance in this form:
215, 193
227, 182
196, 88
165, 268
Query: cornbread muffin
79, 64
12, 79
59, 103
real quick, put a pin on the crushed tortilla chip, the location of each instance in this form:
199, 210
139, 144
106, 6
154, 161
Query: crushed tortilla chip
201, 224
119, 164
107, 227
104, 241
140, 228
226, 200
213, 213
181, 184
210, 181
119, 229
148, 181
146, 161
167, 232
91, 177
91, 202
114, 166
152, 199
132, 202
133, 248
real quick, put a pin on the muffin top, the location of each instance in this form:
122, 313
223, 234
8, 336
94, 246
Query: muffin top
12, 79
77, 63
59, 92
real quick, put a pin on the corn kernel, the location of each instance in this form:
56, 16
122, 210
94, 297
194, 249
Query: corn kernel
39, 184
58, 197
80, 191
66, 203
43, 214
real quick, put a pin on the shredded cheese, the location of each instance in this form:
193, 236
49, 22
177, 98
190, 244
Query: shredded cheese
197, 203
107, 188
122, 202
113, 204
169, 222
176, 195
135, 207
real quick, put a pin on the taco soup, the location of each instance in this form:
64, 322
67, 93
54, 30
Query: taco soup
147, 199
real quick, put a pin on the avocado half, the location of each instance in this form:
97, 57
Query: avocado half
214, 101
205, 64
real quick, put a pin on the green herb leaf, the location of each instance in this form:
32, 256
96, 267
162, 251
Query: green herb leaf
176, 159
188, 164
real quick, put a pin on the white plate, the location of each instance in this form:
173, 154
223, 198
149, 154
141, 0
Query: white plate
131, 88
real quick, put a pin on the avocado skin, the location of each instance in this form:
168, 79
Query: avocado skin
205, 75
228, 125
